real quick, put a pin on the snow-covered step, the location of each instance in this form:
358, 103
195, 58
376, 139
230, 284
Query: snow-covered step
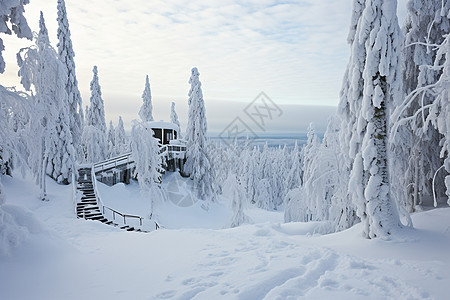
89, 207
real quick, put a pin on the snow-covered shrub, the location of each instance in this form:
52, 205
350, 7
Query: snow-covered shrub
295, 204
234, 191
265, 194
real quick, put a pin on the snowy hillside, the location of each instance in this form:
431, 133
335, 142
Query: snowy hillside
356, 210
69, 258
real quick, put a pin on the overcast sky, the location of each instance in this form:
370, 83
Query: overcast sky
294, 51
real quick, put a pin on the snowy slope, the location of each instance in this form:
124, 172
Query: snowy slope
78, 259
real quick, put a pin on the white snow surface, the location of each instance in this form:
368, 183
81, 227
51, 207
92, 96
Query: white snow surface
195, 258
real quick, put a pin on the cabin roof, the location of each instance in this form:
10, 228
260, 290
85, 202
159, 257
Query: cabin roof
163, 125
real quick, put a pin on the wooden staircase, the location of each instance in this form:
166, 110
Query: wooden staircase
89, 206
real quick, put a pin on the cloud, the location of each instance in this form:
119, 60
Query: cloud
295, 51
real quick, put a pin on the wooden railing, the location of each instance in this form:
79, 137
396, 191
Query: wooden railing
124, 159
172, 149
124, 216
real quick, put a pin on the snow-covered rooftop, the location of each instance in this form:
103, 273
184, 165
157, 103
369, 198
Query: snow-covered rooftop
164, 125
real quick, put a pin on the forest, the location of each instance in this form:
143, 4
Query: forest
384, 156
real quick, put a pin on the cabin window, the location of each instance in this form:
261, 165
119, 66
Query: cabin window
158, 134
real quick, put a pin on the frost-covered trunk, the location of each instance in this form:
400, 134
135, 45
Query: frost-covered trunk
380, 213
375, 56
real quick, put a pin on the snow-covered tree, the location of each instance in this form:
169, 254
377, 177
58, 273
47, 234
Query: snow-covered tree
309, 151
296, 209
51, 140
13, 134
111, 139
94, 140
279, 168
145, 152
11, 13
415, 156
294, 172
265, 162
96, 112
15, 103
378, 33
146, 111
320, 177
219, 155
198, 164
436, 113
66, 55
265, 195
249, 173
342, 212
234, 191
174, 118
120, 139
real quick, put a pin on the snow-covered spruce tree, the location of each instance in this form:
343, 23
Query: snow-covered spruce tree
415, 146
111, 139
96, 112
265, 162
309, 154
219, 159
234, 191
146, 111
145, 152
379, 32
198, 164
279, 168
66, 56
320, 175
11, 13
349, 108
121, 143
436, 113
12, 230
253, 174
249, 172
441, 108
51, 139
310, 150
94, 142
174, 119
342, 212
265, 195
296, 208
295, 171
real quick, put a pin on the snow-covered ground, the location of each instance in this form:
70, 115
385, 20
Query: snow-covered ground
195, 258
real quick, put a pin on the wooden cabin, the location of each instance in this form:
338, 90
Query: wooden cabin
120, 168
173, 149
164, 131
